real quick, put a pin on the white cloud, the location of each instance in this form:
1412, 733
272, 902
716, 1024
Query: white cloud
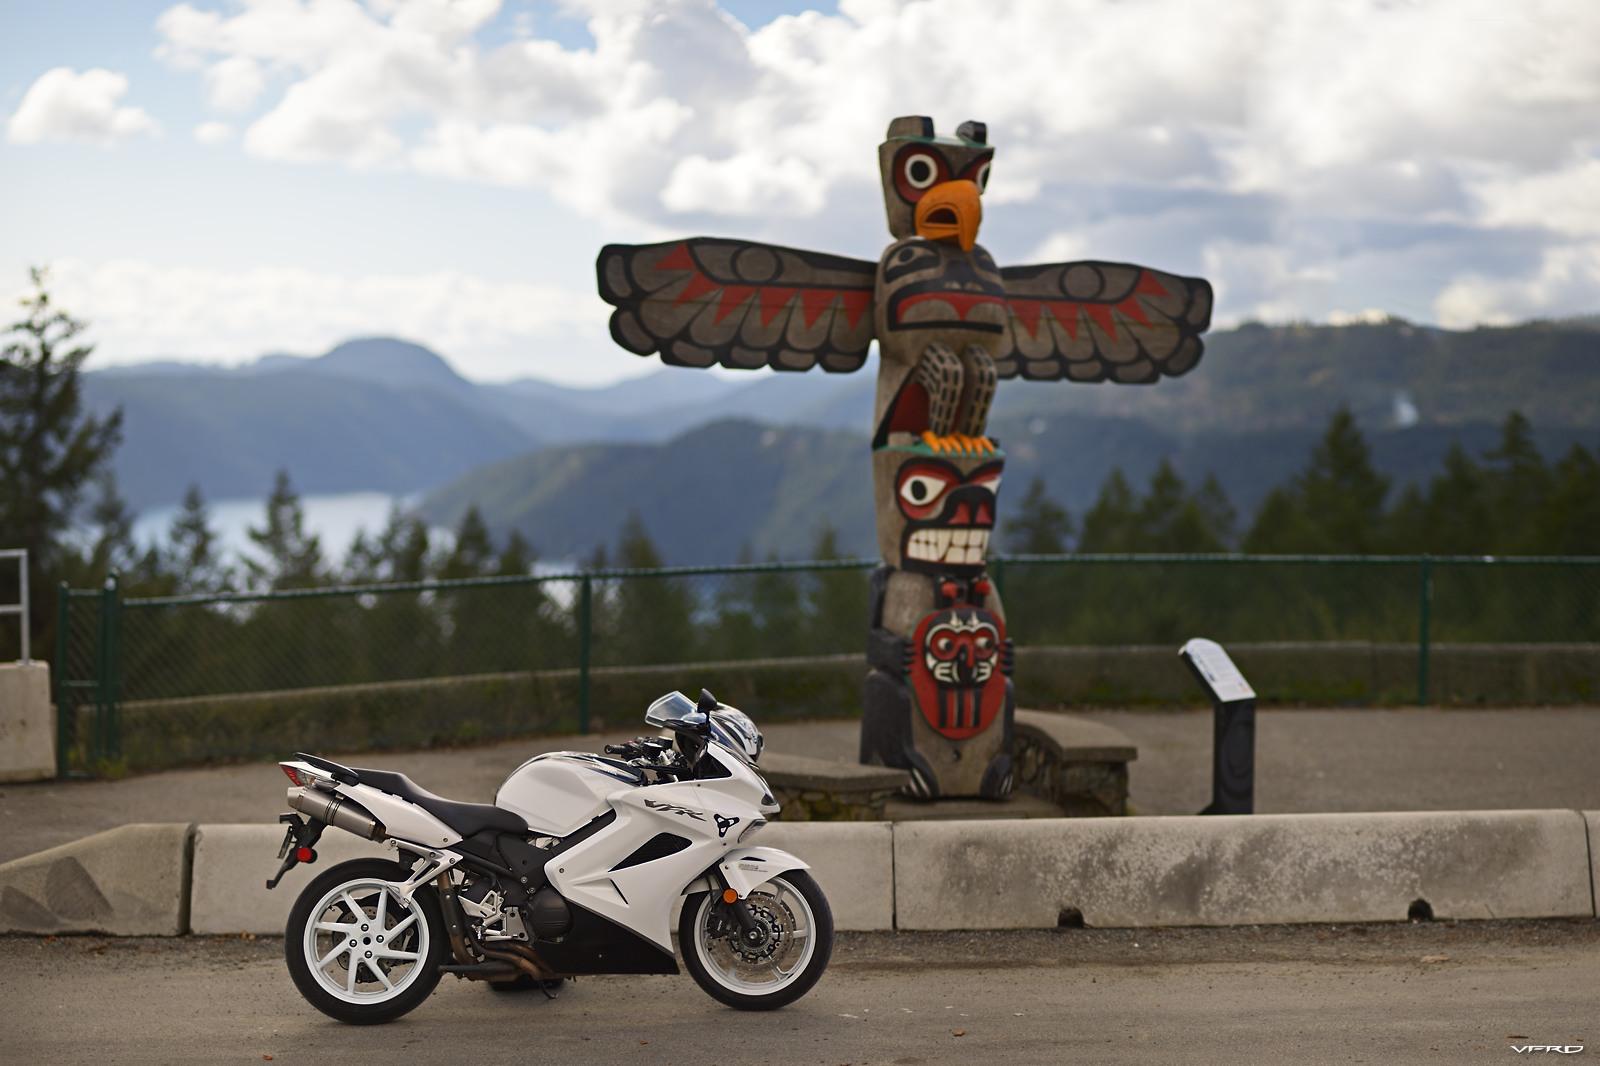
1299, 150
1565, 284
488, 329
65, 105
213, 132
232, 84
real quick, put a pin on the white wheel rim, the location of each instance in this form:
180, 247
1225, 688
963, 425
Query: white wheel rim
782, 908
364, 944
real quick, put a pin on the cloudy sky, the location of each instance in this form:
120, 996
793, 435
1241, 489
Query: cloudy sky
212, 180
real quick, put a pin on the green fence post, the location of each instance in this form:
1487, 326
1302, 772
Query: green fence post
1424, 625
64, 711
97, 747
585, 639
114, 671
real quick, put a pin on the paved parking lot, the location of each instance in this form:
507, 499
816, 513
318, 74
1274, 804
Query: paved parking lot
1307, 760
1447, 993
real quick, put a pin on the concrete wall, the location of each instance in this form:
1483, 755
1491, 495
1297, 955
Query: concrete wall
27, 722
1242, 870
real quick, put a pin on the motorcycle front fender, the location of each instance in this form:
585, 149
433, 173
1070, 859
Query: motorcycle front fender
746, 869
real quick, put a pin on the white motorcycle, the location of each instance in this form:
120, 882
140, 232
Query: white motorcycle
574, 869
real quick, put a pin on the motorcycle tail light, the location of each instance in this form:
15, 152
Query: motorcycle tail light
292, 774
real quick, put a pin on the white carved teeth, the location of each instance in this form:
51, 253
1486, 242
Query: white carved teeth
963, 547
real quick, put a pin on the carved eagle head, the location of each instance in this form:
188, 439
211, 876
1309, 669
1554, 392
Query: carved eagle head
932, 185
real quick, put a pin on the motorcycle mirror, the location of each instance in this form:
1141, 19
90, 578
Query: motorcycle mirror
708, 702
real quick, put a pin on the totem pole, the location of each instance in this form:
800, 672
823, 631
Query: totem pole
949, 323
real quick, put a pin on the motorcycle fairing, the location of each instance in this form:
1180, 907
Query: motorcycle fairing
641, 897
747, 869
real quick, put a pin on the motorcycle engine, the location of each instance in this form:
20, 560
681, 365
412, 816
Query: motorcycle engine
547, 915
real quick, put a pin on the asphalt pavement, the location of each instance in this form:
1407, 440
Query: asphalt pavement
1445, 992
1306, 761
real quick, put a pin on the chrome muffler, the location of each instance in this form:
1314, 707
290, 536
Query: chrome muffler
337, 811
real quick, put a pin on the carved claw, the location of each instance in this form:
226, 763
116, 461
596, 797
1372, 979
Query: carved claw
958, 444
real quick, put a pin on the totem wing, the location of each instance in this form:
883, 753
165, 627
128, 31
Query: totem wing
1096, 321
706, 300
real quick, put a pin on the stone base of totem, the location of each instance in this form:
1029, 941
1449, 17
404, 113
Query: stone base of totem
1067, 767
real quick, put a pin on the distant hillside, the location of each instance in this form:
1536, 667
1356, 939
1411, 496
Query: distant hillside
715, 490
380, 413
703, 495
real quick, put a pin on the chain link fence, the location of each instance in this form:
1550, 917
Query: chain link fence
178, 680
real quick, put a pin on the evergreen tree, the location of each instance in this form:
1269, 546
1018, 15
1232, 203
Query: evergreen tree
1519, 485
1171, 519
1340, 492
1216, 510
291, 557
516, 558
113, 549
838, 600
1111, 522
49, 448
654, 616
1458, 518
1570, 521
191, 556
1336, 505
472, 555
1040, 526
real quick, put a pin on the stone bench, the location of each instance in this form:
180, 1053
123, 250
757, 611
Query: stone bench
823, 790
1066, 767
1078, 765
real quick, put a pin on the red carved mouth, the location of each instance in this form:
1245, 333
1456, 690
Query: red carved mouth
962, 300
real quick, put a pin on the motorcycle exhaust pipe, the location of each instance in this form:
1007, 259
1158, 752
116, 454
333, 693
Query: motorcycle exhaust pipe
337, 811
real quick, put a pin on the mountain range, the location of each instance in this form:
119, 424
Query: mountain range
716, 463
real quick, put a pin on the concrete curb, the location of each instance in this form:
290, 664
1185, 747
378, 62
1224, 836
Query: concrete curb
1592, 822
228, 892
1260, 869
128, 881
852, 861
166, 880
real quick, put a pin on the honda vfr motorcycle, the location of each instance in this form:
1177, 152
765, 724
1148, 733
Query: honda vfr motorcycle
574, 869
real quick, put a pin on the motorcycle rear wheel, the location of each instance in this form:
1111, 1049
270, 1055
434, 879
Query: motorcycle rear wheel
356, 952
797, 927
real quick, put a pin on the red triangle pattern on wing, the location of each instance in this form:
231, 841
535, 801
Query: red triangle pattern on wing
770, 300
1028, 310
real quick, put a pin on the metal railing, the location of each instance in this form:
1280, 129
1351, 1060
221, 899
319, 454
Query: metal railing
20, 608
464, 660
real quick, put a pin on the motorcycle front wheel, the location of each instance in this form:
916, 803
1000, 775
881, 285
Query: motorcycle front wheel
771, 965
357, 951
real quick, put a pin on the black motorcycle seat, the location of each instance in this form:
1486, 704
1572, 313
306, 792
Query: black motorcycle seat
464, 818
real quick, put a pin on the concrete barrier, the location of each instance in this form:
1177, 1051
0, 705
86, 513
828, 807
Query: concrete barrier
1592, 819
129, 881
165, 880
27, 722
1241, 870
852, 861
228, 893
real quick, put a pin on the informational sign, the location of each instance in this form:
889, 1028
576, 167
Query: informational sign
1216, 671
1233, 733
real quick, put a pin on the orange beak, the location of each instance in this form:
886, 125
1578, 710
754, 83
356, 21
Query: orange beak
951, 210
